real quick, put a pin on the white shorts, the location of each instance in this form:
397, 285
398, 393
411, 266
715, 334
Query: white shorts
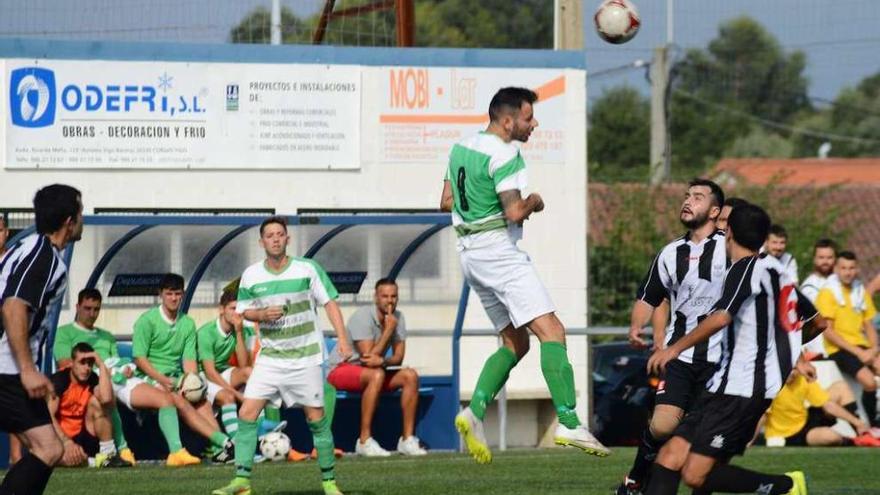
123, 391
278, 383
213, 388
507, 283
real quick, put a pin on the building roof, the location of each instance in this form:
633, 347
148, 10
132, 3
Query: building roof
799, 171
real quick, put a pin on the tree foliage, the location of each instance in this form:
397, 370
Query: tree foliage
618, 139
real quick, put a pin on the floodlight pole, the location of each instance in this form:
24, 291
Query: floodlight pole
659, 139
568, 25
276, 22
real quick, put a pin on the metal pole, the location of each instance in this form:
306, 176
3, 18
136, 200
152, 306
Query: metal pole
276, 22
670, 24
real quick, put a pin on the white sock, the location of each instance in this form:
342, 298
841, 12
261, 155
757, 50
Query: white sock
107, 447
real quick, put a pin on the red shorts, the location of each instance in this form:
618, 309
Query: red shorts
347, 376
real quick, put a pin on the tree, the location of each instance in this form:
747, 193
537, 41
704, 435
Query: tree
619, 134
256, 28
718, 92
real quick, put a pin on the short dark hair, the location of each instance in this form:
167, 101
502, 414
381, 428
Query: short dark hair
779, 231
53, 205
227, 297
735, 202
81, 348
847, 255
171, 281
508, 100
823, 244
280, 220
749, 226
716, 191
90, 294
384, 281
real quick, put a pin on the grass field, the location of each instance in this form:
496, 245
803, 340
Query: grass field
831, 471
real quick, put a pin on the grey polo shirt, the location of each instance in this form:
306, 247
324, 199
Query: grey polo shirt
364, 325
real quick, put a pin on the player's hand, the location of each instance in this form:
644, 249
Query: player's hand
864, 355
372, 361
658, 361
73, 454
36, 384
238, 396
127, 372
237, 321
166, 383
806, 369
390, 321
861, 428
635, 338
273, 313
539, 202
343, 348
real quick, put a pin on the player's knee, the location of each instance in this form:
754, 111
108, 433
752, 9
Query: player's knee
663, 423
375, 376
410, 377
246, 372
224, 398
694, 478
673, 454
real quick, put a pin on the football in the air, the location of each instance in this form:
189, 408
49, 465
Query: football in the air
192, 387
275, 446
617, 21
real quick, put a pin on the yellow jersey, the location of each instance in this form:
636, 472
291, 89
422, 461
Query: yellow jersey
847, 322
788, 414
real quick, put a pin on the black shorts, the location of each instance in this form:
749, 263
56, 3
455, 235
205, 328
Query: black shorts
87, 441
816, 418
848, 363
684, 383
721, 426
18, 412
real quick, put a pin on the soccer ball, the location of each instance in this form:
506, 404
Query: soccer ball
192, 387
275, 446
617, 21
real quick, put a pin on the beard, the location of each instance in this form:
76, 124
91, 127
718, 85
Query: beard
696, 222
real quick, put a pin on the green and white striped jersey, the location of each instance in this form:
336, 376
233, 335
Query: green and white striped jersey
300, 288
480, 167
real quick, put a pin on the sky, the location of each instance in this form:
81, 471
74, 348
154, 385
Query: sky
840, 37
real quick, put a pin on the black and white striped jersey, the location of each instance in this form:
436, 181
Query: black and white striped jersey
763, 342
34, 272
691, 276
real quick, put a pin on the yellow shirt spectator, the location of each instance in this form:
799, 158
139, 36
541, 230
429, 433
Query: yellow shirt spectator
848, 323
787, 414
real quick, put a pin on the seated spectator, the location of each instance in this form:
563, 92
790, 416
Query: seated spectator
218, 341
777, 242
80, 410
83, 329
790, 418
373, 329
851, 339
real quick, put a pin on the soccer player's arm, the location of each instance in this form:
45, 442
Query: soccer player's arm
446, 200
398, 343
190, 355
242, 357
827, 306
868, 324
325, 294
510, 178
651, 294
817, 397
737, 289
206, 357
659, 321
140, 351
101, 384
814, 323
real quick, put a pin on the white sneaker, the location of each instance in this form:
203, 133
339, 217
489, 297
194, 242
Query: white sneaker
581, 438
370, 448
410, 446
471, 430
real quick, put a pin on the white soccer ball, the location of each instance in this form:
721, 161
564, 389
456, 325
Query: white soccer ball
192, 387
617, 21
275, 446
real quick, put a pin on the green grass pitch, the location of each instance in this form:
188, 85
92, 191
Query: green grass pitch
849, 471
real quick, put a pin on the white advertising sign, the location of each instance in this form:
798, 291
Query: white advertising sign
170, 115
425, 111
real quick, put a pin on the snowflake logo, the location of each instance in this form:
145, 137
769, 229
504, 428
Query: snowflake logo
165, 81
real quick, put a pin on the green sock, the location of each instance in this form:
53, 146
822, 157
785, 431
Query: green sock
170, 426
229, 418
492, 378
245, 446
560, 380
329, 402
323, 439
118, 434
273, 413
218, 440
